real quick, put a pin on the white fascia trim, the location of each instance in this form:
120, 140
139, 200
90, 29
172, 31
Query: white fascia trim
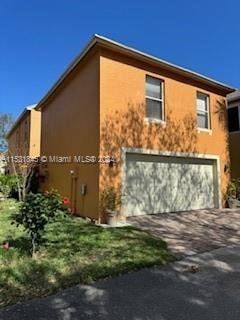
166, 63
72, 65
19, 118
96, 38
170, 153
234, 105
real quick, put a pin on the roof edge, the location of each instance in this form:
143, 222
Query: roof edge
234, 96
71, 66
175, 68
96, 38
19, 118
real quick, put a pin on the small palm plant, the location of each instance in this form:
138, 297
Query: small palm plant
233, 193
109, 203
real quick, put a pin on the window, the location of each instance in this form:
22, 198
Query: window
234, 119
203, 117
154, 98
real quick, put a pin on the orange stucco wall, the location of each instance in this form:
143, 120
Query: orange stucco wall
122, 124
35, 133
70, 127
235, 154
19, 139
99, 108
25, 138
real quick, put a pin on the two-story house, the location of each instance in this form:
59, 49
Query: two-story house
165, 126
24, 136
234, 131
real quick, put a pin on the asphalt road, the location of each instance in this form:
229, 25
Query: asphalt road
202, 287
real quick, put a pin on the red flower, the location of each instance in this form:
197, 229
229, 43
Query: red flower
66, 201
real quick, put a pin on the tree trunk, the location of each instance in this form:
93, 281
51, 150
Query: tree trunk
33, 246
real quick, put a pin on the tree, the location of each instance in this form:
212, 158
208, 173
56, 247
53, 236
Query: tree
25, 174
6, 121
36, 211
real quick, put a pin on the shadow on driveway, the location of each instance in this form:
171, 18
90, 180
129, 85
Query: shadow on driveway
192, 232
169, 293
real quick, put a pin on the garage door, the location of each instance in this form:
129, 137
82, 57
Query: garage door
156, 184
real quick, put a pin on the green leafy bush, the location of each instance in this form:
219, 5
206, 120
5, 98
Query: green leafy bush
36, 211
8, 185
234, 189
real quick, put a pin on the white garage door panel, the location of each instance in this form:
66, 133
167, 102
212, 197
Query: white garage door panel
156, 184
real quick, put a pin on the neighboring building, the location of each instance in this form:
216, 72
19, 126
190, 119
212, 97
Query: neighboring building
24, 136
165, 126
2, 162
234, 132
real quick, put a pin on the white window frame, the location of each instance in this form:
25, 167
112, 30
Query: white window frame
208, 129
234, 106
150, 119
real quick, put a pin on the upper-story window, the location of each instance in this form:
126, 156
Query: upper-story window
203, 111
154, 98
234, 119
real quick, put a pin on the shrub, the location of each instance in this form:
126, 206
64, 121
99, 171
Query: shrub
36, 211
234, 189
8, 185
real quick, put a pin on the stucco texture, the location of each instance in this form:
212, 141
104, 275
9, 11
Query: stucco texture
122, 123
99, 109
70, 127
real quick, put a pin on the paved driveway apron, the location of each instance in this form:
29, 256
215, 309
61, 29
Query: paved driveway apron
192, 232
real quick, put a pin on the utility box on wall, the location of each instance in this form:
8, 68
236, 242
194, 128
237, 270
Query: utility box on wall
83, 189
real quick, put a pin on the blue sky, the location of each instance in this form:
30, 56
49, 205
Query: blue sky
38, 39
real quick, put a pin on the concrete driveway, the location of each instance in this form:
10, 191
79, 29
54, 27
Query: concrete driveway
193, 232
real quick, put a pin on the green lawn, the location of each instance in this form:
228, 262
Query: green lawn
73, 251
